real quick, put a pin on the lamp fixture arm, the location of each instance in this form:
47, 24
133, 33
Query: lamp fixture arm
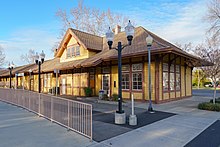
122, 47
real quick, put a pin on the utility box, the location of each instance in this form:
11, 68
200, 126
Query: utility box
101, 94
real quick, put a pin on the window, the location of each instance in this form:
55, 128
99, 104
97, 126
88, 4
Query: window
125, 77
137, 81
72, 51
125, 81
105, 70
45, 80
92, 71
68, 55
125, 68
165, 77
178, 82
171, 77
137, 67
77, 51
137, 76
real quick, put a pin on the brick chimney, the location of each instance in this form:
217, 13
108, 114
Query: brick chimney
117, 29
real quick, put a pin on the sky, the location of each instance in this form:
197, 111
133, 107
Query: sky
32, 24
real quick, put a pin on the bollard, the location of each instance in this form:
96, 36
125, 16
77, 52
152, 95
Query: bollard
132, 117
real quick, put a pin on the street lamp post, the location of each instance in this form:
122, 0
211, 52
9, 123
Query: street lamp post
39, 59
30, 71
149, 41
120, 116
10, 67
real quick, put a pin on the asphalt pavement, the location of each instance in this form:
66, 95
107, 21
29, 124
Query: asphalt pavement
205, 92
103, 121
208, 138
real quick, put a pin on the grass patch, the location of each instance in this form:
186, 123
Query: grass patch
209, 106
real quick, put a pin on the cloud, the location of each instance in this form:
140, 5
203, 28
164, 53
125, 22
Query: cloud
188, 27
20, 41
175, 21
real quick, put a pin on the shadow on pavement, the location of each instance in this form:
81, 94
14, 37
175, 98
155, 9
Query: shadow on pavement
105, 128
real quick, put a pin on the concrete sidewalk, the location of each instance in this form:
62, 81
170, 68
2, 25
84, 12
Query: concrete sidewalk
20, 128
174, 131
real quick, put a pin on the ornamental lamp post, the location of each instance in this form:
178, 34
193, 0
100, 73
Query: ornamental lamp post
10, 67
149, 41
120, 117
39, 59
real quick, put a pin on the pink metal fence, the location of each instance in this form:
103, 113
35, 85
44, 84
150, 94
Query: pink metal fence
74, 115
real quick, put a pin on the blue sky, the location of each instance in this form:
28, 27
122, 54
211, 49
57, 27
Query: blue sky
32, 24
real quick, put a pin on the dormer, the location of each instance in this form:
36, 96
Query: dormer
78, 45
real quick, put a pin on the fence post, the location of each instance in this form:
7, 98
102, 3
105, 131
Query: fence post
29, 101
51, 107
91, 123
68, 116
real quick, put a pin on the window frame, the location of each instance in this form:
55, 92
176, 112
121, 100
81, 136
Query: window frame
137, 71
165, 71
72, 51
172, 70
77, 51
68, 53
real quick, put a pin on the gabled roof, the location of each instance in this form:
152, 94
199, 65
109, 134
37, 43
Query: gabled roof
91, 41
138, 48
88, 41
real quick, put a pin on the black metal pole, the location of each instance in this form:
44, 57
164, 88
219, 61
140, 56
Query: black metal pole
10, 76
39, 82
149, 78
119, 80
29, 81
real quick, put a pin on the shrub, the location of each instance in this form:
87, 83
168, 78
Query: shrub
209, 106
88, 91
115, 97
105, 97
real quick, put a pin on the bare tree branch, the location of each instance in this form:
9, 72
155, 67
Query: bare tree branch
185, 47
28, 57
2, 56
213, 17
210, 51
91, 20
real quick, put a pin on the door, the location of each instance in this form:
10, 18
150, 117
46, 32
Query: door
63, 85
106, 83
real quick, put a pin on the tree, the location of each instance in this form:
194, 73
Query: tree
210, 51
28, 57
90, 20
213, 17
185, 47
199, 78
2, 56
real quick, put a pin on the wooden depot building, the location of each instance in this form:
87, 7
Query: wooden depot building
85, 60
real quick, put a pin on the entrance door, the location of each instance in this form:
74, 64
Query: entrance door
106, 83
63, 86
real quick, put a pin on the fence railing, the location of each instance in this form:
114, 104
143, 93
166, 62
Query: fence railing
74, 115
